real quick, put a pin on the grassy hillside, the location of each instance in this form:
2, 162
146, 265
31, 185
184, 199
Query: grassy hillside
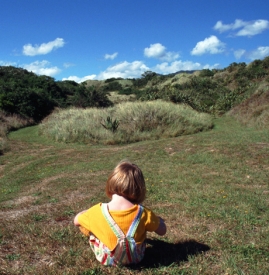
211, 188
239, 90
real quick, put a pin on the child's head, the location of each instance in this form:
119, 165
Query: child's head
127, 180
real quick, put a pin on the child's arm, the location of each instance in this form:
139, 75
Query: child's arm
161, 230
76, 223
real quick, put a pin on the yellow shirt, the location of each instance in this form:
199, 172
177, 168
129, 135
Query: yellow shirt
94, 221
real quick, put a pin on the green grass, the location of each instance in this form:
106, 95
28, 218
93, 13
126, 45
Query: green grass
211, 188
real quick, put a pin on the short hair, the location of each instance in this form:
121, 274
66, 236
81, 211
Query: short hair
127, 180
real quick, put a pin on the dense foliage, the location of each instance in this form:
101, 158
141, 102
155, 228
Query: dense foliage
211, 91
32, 96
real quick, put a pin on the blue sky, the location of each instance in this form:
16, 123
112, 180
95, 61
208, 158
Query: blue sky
100, 39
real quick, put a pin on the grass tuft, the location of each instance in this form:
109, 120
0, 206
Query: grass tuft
136, 121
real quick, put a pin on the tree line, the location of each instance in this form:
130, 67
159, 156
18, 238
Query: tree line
212, 91
32, 96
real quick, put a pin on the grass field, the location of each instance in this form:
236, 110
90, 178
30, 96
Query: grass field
211, 188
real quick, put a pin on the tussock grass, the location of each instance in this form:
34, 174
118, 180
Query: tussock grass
117, 98
254, 112
211, 188
137, 121
8, 123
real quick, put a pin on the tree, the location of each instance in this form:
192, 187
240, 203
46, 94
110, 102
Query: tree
90, 97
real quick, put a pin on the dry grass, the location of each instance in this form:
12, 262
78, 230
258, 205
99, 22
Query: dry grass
254, 111
8, 123
137, 121
117, 98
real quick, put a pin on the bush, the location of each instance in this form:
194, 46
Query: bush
206, 73
89, 97
136, 121
113, 86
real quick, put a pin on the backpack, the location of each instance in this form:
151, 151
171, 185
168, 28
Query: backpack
126, 251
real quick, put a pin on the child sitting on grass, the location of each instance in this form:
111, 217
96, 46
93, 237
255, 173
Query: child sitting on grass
117, 229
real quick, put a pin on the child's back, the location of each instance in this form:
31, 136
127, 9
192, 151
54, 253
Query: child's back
118, 229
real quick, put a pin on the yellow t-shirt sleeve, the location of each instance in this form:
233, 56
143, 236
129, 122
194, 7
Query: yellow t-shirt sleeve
151, 221
85, 218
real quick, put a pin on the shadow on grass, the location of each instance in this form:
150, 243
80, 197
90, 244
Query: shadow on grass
161, 253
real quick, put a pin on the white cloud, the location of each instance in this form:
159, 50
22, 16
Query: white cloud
124, 70
210, 45
259, 53
155, 50
239, 53
42, 68
111, 56
254, 28
44, 48
7, 63
158, 51
223, 28
211, 67
248, 28
166, 68
80, 79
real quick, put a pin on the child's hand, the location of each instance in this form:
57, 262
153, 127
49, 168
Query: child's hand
161, 230
84, 231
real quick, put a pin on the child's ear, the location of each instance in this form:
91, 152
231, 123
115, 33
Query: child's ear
109, 195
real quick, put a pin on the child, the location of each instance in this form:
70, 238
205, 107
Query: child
118, 229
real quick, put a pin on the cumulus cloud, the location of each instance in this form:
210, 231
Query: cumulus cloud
80, 79
239, 53
210, 45
125, 70
158, 51
254, 28
226, 27
42, 68
111, 56
167, 68
44, 48
248, 28
259, 53
7, 63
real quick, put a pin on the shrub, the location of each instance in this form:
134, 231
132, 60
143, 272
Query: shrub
113, 86
89, 97
206, 73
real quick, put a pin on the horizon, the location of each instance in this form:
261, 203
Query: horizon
103, 39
